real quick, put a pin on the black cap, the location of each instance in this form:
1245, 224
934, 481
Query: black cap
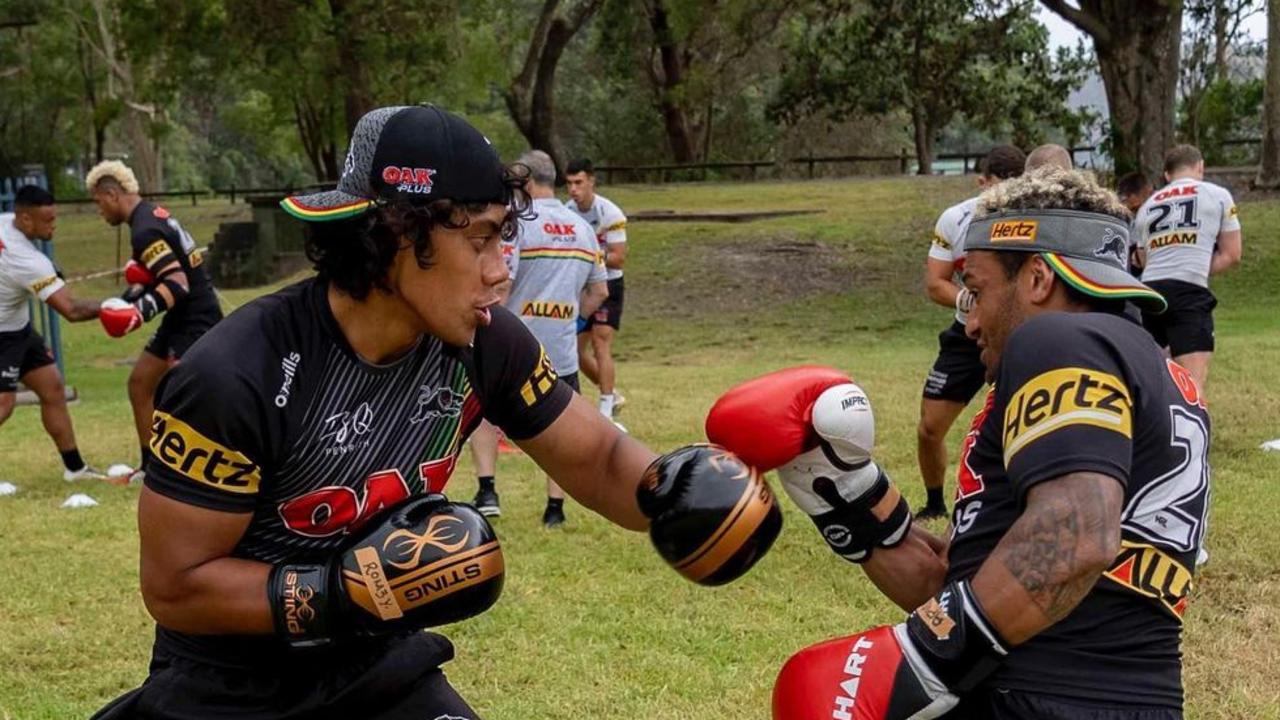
417, 153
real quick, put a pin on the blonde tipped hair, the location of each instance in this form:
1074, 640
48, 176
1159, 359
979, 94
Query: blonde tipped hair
1052, 188
112, 170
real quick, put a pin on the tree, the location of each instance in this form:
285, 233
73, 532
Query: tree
1138, 45
929, 60
1214, 30
1269, 169
530, 97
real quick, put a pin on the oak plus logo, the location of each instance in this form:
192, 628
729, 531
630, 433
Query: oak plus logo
409, 180
344, 430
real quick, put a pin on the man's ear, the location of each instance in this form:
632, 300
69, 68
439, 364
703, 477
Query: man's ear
1040, 280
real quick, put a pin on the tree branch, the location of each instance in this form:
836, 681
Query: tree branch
1090, 24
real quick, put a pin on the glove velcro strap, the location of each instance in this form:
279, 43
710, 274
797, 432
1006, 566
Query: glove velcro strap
955, 640
880, 517
299, 596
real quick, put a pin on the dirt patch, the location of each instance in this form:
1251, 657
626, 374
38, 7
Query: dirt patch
743, 276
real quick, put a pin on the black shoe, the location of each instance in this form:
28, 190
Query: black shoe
930, 512
553, 516
486, 501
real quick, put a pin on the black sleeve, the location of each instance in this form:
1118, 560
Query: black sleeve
513, 377
151, 247
1067, 401
211, 433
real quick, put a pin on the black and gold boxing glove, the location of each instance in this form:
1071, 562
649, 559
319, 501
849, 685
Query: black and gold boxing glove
711, 515
423, 562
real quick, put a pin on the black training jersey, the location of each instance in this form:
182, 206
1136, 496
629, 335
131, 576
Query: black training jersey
158, 239
1090, 392
274, 414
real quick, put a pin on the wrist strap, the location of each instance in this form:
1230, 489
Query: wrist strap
955, 639
299, 597
880, 517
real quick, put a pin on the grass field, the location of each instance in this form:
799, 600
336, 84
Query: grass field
592, 624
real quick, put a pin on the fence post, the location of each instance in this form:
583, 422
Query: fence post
193, 196
902, 161
233, 193
811, 166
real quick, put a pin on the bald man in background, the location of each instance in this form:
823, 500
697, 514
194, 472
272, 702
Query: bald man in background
1050, 155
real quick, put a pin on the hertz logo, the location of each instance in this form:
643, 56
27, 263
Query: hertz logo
941, 242
1014, 231
39, 285
1147, 571
540, 381
1062, 398
1187, 238
546, 309
185, 451
154, 252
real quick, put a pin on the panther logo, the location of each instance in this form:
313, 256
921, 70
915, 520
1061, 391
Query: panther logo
1112, 245
440, 402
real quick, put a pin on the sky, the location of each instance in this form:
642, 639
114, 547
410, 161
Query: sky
1062, 32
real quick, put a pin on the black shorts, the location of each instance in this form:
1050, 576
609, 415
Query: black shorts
610, 312
21, 351
182, 326
1187, 326
995, 704
957, 374
572, 381
402, 681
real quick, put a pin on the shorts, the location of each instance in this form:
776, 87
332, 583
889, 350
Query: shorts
999, 704
21, 351
958, 373
572, 381
1187, 326
402, 680
610, 311
182, 326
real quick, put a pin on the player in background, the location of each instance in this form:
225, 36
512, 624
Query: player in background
293, 539
165, 275
1060, 591
1049, 155
1133, 189
595, 339
26, 272
562, 277
957, 372
1187, 231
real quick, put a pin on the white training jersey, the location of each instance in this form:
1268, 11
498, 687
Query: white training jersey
24, 271
1179, 226
608, 222
558, 259
948, 238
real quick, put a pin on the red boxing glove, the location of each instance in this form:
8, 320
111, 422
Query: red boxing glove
912, 670
768, 421
135, 273
118, 317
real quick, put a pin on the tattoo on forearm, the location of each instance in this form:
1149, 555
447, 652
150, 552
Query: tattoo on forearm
1044, 548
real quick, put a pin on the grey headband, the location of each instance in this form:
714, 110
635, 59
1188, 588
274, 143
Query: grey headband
1088, 250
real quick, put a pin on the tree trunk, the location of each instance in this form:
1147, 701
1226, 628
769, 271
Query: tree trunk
1138, 43
356, 98
1221, 21
1269, 169
674, 119
923, 140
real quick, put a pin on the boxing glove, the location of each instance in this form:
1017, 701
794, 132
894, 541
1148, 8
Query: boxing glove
821, 433
119, 318
423, 562
711, 515
910, 670
135, 273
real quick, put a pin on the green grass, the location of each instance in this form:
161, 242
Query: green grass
592, 624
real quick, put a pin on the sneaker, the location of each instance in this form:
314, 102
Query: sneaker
1202, 558
553, 516
618, 401
84, 473
929, 512
486, 501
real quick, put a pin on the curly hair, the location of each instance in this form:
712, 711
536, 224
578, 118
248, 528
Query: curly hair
111, 171
1052, 188
355, 254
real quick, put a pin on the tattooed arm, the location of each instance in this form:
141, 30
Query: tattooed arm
1053, 555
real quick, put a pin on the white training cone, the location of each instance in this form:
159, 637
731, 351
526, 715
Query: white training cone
79, 500
1271, 445
118, 470
7, 488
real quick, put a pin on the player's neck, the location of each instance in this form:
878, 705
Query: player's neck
1185, 175
130, 204
380, 328
586, 202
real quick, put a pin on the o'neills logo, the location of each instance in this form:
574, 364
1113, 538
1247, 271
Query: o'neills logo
1014, 231
848, 696
290, 367
297, 612
407, 179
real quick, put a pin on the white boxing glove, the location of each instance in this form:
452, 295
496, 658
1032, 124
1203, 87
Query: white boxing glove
854, 504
